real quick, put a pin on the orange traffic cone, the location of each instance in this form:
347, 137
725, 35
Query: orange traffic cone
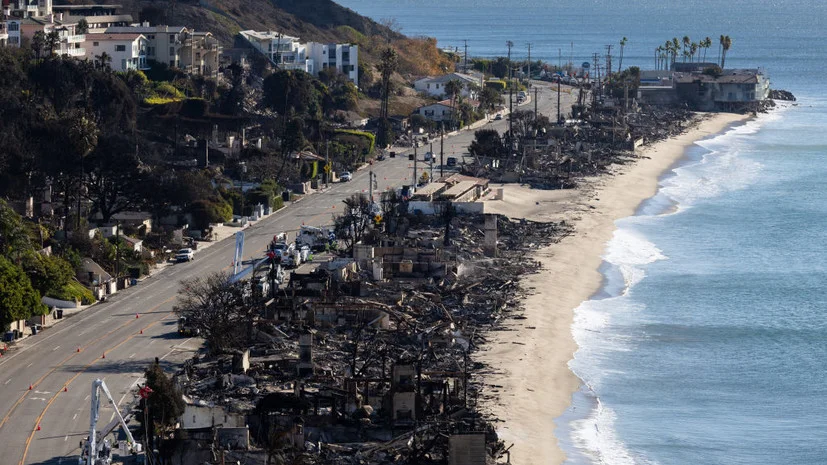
65, 389
78, 349
30, 387
38, 427
104, 355
142, 331
136, 316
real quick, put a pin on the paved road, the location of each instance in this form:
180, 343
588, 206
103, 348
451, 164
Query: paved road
108, 341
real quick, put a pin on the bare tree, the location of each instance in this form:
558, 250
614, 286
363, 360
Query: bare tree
352, 225
219, 308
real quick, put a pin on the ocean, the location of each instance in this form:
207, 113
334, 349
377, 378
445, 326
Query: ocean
708, 341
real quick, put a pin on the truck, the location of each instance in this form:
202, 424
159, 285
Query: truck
281, 250
96, 448
186, 328
315, 238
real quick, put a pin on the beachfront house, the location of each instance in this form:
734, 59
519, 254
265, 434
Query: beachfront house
733, 90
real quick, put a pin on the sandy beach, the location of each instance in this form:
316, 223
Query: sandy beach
532, 378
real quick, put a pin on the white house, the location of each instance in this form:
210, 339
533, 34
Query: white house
439, 111
343, 57
193, 52
435, 86
283, 50
290, 53
128, 51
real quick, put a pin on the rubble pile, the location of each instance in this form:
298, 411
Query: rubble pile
561, 156
378, 369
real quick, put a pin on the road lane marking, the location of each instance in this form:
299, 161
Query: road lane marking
27, 366
85, 368
66, 438
7, 381
132, 355
58, 347
75, 416
73, 354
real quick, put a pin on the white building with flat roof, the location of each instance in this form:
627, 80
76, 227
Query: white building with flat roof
343, 57
287, 52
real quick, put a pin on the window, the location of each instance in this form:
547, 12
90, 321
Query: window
95, 44
172, 63
151, 37
13, 26
198, 56
123, 64
172, 37
120, 48
429, 86
172, 51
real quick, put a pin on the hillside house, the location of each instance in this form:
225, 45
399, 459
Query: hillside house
127, 50
287, 52
196, 53
439, 111
435, 86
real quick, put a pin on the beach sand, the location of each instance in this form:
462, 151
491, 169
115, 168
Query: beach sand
533, 382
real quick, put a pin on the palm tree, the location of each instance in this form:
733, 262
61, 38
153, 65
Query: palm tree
676, 45
52, 41
103, 61
622, 46
38, 43
453, 88
726, 45
706, 43
686, 42
720, 47
658, 51
693, 49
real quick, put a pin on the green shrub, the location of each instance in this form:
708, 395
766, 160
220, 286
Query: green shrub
495, 84
73, 291
371, 138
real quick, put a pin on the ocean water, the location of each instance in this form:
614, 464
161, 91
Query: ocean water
708, 342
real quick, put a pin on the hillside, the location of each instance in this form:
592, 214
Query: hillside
316, 20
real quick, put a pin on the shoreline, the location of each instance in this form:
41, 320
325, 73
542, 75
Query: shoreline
530, 376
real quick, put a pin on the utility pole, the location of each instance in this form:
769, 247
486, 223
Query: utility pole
529, 64
441, 152
327, 170
415, 181
465, 56
558, 101
608, 59
117, 254
431, 160
370, 185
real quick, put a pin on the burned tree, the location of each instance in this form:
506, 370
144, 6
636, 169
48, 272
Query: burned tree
358, 215
219, 309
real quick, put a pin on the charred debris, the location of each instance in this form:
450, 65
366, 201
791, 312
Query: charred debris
606, 126
368, 358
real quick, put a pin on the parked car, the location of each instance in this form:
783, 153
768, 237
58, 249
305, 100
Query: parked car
345, 176
498, 117
380, 157
452, 161
184, 255
428, 156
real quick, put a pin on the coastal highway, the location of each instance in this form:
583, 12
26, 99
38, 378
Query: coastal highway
116, 340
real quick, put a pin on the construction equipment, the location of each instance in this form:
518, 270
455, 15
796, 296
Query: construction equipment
315, 238
95, 452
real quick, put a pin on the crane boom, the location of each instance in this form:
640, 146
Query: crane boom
93, 449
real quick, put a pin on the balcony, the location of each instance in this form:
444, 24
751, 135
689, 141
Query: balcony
75, 39
76, 52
